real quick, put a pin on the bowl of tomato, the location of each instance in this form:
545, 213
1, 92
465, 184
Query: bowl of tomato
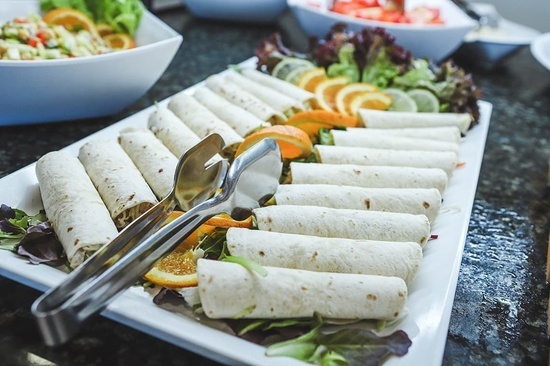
428, 28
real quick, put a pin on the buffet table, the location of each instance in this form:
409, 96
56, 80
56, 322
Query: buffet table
499, 315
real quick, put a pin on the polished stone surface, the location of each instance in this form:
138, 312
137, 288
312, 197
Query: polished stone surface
499, 315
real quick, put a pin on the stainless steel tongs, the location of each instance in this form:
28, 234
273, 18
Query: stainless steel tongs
248, 183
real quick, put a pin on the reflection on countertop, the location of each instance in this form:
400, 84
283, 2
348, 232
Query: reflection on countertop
499, 315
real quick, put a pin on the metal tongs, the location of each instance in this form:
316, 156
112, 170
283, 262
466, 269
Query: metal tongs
248, 183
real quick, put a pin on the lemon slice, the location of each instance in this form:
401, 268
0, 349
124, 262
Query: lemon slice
402, 102
425, 100
295, 75
289, 64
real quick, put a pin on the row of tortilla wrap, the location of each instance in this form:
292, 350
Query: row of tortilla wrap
345, 238
386, 237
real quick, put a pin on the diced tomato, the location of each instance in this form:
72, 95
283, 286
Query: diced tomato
43, 36
33, 42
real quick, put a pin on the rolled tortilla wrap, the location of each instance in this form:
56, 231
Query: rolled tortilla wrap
386, 119
281, 86
416, 201
241, 120
153, 159
276, 100
244, 99
446, 160
444, 133
173, 133
344, 138
74, 207
117, 179
314, 253
343, 223
202, 121
229, 290
368, 176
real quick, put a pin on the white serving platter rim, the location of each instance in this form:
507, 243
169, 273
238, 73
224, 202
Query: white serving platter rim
430, 296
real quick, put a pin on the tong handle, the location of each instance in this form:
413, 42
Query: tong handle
59, 320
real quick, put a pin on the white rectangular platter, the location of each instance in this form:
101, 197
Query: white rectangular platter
430, 296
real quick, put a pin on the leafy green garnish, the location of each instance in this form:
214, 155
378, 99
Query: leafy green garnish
122, 15
346, 65
349, 345
246, 263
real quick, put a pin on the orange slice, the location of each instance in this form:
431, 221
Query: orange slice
326, 91
348, 92
71, 19
293, 142
372, 100
178, 268
311, 121
119, 41
311, 78
104, 29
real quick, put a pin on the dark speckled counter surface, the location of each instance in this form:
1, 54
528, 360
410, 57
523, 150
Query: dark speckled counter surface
499, 315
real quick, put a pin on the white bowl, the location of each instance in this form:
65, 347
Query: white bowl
540, 49
433, 41
84, 87
250, 11
487, 48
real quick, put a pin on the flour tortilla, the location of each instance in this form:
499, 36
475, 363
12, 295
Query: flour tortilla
117, 179
368, 176
241, 120
416, 201
73, 206
372, 118
202, 121
244, 99
155, 162
229, 290
276, 100
173, 133
446, 160
444, 133
314, 253
343, 223
293, 91
345, 138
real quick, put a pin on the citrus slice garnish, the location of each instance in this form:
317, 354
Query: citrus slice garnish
293, 142
326, 91
119, 41
402, 102
104, 29
372, 100
312, 121
71, 19
350, 91
287, 65
311, 78
178, 268
425, 100
295, 75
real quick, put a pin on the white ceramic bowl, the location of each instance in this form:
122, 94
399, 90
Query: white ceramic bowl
433, 41
540, 49
250, 11
83, 87
487, 48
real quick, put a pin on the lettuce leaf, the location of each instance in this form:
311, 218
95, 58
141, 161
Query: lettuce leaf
122, 15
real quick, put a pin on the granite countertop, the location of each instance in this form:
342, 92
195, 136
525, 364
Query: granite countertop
499, 315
